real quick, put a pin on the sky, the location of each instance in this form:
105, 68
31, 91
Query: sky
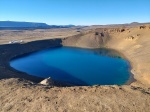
77, 12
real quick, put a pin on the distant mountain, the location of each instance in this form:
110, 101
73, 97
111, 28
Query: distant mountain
21, 24
29, 25
133, 24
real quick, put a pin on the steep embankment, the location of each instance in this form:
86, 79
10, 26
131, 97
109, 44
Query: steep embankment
9, 51
134, 43
91, 39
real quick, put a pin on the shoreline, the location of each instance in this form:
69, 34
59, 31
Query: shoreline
9, 51
129, 81
131, 78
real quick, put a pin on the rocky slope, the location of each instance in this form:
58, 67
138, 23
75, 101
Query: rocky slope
19, 94
9, 51
133, 42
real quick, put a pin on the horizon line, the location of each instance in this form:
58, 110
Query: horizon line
73, 24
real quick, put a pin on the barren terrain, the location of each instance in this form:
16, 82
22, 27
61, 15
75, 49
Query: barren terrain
21, 92
37, 34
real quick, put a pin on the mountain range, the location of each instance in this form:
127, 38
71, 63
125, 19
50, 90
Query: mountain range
29, 25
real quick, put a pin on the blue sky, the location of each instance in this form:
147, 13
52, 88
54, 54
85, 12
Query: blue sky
78, 12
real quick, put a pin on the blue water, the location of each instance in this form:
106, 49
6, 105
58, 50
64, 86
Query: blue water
75, 65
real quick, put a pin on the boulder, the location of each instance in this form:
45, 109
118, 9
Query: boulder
122, 30
142, 27
48, 81
102, 34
